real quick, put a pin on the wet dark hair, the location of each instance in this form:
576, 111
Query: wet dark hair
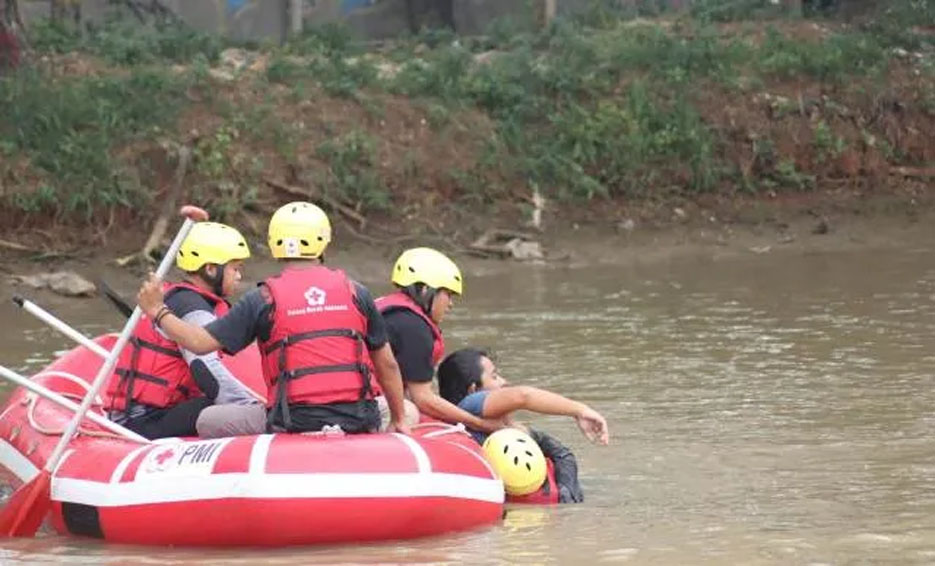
458, 371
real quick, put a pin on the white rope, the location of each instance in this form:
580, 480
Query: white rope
32, 399
70, 377
450, 429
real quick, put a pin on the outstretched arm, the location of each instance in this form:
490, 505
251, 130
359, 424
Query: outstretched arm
433, 405
501, 402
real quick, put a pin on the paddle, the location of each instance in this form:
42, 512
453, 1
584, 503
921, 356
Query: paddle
115, 299
28, 506
67, 403
60, 325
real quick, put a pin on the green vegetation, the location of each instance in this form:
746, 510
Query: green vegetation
70, 127
351, 173
597, 106
125, 43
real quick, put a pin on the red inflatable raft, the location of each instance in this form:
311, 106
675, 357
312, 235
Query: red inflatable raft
265, 490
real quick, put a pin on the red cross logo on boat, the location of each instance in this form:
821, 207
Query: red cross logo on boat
164, 456
159, 460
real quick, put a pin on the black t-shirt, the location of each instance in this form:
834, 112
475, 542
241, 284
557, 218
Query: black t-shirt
412, 341
251, 318
182, 301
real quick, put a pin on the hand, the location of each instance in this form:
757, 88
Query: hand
593, 426
400, 427
150, 296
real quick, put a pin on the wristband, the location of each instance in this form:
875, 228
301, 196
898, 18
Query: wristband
163, 311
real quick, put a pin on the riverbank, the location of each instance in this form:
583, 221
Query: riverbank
602, 139
599, 117
688, 233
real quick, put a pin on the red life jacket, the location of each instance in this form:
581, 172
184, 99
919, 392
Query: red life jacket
151, 370
400, 300
316, 353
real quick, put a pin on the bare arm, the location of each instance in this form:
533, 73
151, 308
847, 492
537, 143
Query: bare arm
433, 405
391, 381
501, 402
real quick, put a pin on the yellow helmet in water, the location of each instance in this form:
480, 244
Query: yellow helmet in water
429, 267
299, 230
517, 459
211, 242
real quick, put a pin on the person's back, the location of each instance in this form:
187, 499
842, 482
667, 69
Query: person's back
316, 359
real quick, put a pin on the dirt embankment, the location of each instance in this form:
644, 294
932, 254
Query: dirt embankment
784, 148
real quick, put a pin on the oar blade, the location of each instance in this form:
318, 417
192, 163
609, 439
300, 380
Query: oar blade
114, 298
24, 512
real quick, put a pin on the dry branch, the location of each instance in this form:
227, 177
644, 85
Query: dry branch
169, 206
18, 247
914, 172
312, 195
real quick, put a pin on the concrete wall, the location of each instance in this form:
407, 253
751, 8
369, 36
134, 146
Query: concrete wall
369, 19
239, 19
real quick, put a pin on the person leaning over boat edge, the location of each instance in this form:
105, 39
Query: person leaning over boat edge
470, 379
158, 389
319, 334
426, 282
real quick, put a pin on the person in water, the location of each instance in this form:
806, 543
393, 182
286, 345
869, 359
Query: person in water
469, 379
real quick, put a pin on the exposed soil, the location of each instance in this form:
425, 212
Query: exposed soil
869, 184
616, 235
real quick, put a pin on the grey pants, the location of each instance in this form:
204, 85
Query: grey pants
411, 411
219, 421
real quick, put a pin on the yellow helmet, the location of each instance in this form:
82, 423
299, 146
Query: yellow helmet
429, 267
299, 230
211, 242
517, 459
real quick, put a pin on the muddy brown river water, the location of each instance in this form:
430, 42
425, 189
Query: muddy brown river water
764, 409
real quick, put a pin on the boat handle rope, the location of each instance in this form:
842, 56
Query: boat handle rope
72, 378
32, 400
450, 429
